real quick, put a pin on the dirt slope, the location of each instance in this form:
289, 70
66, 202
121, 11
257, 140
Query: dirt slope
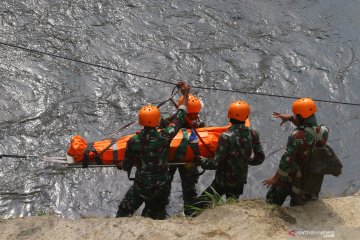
336, 218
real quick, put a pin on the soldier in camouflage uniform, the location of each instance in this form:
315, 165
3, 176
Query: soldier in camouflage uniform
233, 155
148, 151
189, 173
289, 178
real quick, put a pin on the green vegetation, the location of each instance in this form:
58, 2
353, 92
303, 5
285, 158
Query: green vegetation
44, 212
209, 200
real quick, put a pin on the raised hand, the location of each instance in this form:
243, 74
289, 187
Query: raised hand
284, 117
180, 84
271, 181
185, 89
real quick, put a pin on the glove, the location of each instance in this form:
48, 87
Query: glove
180, 84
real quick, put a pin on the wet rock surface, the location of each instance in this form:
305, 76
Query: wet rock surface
295, 48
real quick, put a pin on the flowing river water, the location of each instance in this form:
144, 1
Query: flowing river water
285, 47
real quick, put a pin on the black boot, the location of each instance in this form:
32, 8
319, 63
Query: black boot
297, 200
311, 197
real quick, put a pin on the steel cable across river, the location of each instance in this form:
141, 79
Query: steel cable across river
302, 48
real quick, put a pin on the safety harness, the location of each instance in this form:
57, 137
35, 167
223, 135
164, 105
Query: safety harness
90, 148
192, 141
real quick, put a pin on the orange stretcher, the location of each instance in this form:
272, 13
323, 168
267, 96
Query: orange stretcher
109, 151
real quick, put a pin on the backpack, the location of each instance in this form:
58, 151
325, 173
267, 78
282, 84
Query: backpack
323, 159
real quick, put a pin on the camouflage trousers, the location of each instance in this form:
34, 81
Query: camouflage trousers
309, 190
189, 178
154, 207
278, 193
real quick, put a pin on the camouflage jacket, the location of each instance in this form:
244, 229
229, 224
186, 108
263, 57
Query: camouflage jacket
298, 150
148, 151
233, 155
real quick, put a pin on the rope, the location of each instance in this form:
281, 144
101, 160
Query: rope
86, 63
16, 156
173, 93
168, 82
273, 95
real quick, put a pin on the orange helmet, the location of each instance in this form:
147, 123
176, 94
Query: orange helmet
305, 107
149, 116
194, 104
239, 110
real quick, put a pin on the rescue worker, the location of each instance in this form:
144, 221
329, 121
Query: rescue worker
233, 155
189, 173
148, 151
292, 173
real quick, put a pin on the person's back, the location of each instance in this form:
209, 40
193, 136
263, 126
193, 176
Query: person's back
189, 173
293, 168
238, 142
299, 147
233, 155
148, 151
309, 136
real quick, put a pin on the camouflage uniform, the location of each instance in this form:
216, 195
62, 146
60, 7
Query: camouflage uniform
148, 151
294, 162
232, 157
189, 173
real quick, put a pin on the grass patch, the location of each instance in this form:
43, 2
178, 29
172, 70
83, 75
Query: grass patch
208, 200
43, 212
